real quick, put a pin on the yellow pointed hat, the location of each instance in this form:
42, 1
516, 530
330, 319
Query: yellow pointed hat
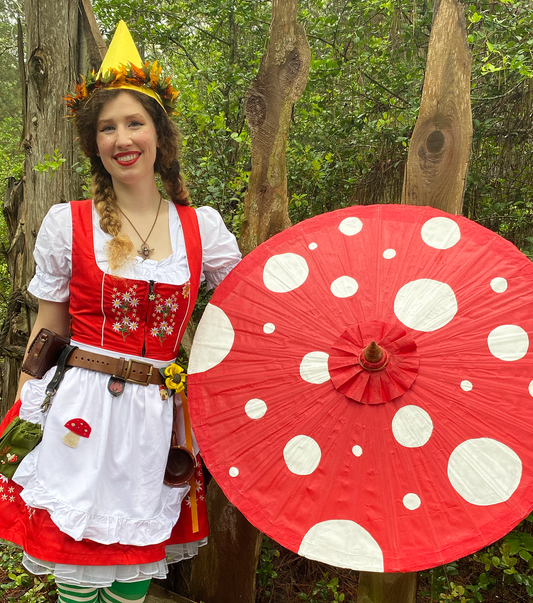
121, 53
122, 67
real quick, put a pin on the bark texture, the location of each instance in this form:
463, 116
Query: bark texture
440, 148
52, 65
92, 47
224, 571
387, 588
268, 105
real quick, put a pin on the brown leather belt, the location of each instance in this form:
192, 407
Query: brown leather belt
132, 371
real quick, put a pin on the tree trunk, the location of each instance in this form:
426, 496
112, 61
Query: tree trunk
439, 152
387, 588
51, 68
268, 105
435, 175
224, 571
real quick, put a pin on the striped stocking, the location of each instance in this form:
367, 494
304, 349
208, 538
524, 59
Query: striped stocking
76, 594
122, 592
118, 592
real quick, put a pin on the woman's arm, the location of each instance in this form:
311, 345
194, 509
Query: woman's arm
53, 316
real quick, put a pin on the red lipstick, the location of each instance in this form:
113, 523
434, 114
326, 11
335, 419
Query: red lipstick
126, 159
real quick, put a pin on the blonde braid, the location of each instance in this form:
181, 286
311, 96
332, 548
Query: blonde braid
120, 250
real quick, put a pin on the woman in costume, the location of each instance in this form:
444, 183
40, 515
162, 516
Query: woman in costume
119, 275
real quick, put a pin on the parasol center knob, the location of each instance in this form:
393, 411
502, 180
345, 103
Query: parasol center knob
373, 353
373, 357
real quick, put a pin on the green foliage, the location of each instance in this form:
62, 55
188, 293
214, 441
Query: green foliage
50, 164
11, 158
265, 572
504, 567
22, 587
325, 589
500, 181
10, 98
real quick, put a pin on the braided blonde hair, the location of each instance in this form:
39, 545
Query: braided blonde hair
120, 250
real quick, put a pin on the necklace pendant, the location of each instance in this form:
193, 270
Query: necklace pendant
145, 251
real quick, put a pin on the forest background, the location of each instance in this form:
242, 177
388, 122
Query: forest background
348, 141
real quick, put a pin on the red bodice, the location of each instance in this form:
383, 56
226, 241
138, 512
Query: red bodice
129, 316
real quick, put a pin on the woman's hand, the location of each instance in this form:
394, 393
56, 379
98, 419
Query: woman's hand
53, 316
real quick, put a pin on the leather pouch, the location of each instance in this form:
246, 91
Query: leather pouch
43, 353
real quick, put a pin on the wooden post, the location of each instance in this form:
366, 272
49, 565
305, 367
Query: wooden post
268, 104
224, 571
435, 175
387, 588
92, 45
439, 152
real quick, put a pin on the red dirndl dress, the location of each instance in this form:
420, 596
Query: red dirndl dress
150, 325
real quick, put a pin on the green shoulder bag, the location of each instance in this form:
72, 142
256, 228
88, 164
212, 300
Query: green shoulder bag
19, 438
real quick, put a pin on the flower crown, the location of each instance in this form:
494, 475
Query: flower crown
146, 79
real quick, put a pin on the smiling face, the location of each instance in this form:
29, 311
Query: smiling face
127, 140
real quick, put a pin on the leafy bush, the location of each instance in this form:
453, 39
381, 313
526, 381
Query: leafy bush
17, 585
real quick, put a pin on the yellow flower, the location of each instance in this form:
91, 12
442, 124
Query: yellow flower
171, 372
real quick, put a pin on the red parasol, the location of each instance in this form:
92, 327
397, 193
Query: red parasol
361, 387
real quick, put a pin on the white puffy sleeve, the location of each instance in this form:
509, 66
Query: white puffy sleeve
219, 246
53, 255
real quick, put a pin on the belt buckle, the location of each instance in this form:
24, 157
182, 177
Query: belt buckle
128, 371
